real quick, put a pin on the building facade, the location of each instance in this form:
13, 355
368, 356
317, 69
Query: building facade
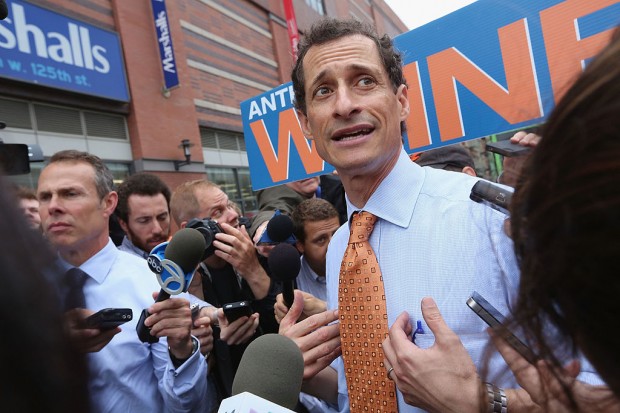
129, 81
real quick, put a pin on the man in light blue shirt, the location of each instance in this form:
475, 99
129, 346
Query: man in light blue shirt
430, 239
75, 192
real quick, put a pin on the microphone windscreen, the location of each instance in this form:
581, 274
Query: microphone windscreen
186, 249
280, 228
272, 367
284, 263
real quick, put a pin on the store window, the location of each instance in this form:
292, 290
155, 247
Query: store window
236, 183
316, 5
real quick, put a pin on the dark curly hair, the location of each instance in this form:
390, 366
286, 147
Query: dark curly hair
139, 184
329, 29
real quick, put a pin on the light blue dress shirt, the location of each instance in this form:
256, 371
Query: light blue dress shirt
129, 247
128, 375
308, 281
432, 240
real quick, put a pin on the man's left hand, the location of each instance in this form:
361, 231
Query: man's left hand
442, 378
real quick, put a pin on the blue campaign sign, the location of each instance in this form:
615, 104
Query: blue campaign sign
164, 40
490, 67
43, 47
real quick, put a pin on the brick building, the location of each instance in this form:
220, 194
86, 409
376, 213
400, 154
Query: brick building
87, 75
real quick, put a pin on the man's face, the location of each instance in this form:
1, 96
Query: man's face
30, 207
73, 217
148, 221
353, 113
306, 187
314, 247
214, 204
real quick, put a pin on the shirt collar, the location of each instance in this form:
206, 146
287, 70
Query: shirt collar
130, 246
98, 266
395, 198
310, 271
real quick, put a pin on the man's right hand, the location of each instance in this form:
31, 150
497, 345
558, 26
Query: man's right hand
86, 340
239, 331
312, 306
318, 340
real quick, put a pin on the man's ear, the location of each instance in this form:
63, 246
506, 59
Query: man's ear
403, 100
469, 171
183, 224
300, 246
305, 126
109, 203
123, 225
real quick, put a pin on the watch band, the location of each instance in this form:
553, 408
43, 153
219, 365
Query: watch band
178, 362
498, 402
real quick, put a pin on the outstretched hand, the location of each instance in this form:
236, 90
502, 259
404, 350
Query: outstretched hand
546, 386
318, 340
86, 340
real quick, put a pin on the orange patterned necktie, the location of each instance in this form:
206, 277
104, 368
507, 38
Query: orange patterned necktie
363, 322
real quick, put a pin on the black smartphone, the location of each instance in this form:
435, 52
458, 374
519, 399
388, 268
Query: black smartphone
109, 318
233, 311
495, 320
507, 148
492, 195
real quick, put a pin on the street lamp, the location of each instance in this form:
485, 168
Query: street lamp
185, 145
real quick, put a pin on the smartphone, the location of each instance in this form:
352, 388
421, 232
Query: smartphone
109, 318
495, 320
507, 148
233, 311
492, 195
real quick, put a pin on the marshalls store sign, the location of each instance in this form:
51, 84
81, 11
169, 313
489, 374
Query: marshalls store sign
47, 48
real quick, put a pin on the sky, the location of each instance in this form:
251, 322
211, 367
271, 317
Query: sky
415, 13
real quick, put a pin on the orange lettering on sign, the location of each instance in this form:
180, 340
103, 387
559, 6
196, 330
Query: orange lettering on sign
418, 133
277, 162
518, 102
566, 50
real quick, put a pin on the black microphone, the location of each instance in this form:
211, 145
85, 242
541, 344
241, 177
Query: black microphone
4, 10
284, 265
175, 271
272, 367
280, 228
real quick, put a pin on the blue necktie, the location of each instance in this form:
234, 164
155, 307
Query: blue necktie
74, 281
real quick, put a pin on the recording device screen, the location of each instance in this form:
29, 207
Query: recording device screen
495, 320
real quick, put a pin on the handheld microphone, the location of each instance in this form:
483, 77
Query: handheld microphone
272, 368
279, 229
174, 263
284, 265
